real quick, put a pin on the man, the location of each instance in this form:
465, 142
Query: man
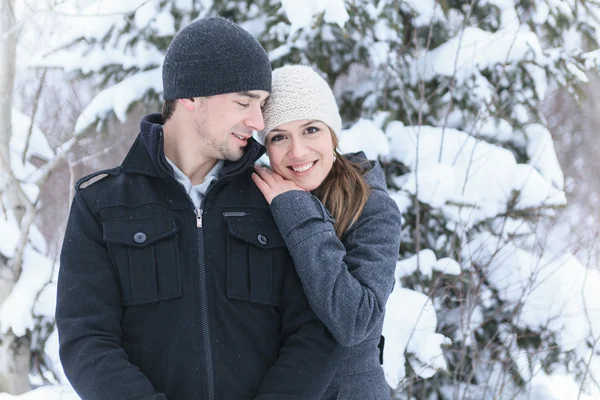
174, 281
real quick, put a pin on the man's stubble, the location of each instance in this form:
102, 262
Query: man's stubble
211, 139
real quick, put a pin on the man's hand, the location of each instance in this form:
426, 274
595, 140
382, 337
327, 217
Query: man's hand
271, 184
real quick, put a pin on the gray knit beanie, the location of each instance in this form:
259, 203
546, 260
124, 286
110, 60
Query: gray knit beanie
299, 92
214, 56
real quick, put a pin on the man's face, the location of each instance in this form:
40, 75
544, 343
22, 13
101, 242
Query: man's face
224, 122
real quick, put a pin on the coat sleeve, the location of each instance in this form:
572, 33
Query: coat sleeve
88, 316
309, 356
347, 284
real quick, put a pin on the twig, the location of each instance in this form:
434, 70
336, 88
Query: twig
33, 113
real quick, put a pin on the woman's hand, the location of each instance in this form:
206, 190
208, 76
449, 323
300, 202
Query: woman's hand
271, 184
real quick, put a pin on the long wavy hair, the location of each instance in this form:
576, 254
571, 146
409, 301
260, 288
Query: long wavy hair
344, 191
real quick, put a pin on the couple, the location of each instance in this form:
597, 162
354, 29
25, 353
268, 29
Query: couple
190, 273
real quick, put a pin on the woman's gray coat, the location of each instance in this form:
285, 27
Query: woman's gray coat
347, 282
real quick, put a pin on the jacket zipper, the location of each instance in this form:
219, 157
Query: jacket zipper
198, 212
203, 287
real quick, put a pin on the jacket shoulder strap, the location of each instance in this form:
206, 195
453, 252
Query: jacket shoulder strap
92, 178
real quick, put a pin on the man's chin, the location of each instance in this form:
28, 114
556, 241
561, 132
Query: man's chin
234, 156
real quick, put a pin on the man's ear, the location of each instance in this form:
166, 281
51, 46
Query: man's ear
189, 104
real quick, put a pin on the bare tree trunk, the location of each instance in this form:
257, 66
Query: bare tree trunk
15, 356
15, 352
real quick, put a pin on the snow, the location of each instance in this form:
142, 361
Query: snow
279, 52
139, 55
435, 181
95, 21
37, 240
379, 53
592, 58
107, 7
475, 50
555, 387
164, 24
119, 97
93, 24
9, 235
413, 331
255, 26
145, 14
38, 145
427, 11
301, 14
471, 171
447, 266
485, 127
534, 190
402, 199
44, 393
188, 5
553, 292
16, 312
422, 262
506, 227
425, 262
540, 149
383, 32
365, 136
541, 13
450, 167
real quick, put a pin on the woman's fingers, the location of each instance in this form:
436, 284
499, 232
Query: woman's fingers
265, 174
276, 176
261, 184
266, 190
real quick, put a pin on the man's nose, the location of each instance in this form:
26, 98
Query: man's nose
255, 119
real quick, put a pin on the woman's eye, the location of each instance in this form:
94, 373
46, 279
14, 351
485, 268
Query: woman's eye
312, 129
243, 104
276, 138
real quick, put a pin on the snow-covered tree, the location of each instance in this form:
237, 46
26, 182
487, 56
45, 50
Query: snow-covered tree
14, 350
447, 95
28, 343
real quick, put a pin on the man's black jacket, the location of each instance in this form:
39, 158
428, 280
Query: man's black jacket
152, 306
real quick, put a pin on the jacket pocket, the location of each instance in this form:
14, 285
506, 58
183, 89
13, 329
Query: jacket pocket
144, 251
255, 253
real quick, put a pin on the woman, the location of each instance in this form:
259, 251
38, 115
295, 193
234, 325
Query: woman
340, 226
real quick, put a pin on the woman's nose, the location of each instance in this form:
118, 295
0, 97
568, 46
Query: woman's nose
298, 149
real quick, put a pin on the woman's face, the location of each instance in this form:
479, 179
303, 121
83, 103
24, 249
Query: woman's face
301, 151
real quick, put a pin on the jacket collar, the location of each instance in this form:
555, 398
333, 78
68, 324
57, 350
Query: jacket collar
147, 155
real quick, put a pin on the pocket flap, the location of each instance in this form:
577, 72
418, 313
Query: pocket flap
139, 232
260, 233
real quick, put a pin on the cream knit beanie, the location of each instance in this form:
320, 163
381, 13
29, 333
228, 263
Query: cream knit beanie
298, 92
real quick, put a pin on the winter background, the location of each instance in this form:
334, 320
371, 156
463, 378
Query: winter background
483, 114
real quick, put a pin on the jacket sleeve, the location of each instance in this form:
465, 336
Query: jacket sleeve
347, 284
88, 316
309, 356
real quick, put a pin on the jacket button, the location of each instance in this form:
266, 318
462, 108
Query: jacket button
262, 239
139, 237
